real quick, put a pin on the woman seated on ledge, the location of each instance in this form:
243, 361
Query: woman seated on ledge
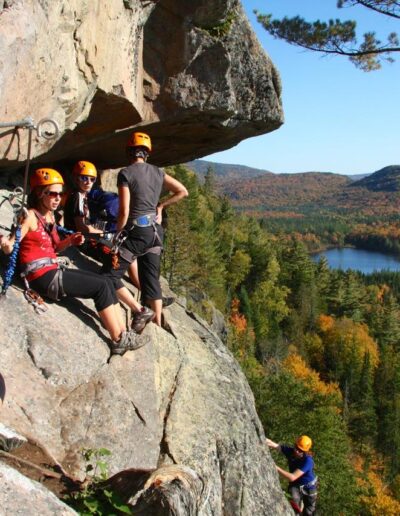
37, 258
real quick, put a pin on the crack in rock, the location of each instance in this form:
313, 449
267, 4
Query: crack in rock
164, 447
139, 415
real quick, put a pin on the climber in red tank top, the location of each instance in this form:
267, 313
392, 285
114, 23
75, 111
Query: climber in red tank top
37, 257
37, 244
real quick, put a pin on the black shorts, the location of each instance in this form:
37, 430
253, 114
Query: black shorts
83, 284
139, 241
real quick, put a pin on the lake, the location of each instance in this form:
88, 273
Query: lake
359, 260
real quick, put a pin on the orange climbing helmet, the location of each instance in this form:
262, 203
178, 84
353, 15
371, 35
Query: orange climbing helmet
139, 140
45, 177
304, 443
84, 168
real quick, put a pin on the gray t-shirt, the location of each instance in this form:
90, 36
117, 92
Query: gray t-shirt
145, 184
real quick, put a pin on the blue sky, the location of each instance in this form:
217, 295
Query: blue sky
337, 118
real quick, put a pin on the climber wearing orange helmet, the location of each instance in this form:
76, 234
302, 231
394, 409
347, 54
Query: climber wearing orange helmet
140, 216
39, 243
302, 479
76, 210
77, 217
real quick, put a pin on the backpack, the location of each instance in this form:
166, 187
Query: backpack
103, 209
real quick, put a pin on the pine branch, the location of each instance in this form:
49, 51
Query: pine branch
374, 6
335, 37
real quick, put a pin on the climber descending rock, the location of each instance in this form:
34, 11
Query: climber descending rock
302, 479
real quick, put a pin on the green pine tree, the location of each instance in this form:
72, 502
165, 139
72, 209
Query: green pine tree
363, 419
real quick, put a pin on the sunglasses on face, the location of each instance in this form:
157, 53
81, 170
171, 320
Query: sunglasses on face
53, 195
87, 179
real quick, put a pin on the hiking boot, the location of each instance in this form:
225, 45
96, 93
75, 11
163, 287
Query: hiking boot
129, 341
167, 301
140, 319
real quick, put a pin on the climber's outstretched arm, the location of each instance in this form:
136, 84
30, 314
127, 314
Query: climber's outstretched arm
272, 444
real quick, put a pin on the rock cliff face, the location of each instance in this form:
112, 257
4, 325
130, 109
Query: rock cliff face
190, 73
181, 400
17, 493
193, 75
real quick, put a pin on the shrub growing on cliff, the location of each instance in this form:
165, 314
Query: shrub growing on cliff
93, 499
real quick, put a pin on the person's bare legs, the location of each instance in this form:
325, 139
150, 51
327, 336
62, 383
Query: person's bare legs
126, 297
112, 321
134, 274
156, 306
119, 317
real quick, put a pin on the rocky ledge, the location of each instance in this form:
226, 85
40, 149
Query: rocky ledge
182, 401
191, 73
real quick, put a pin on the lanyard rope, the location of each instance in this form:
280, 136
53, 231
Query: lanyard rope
12, 263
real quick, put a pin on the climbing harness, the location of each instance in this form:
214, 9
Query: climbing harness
143, 221
310, 489
48, 129
55, 289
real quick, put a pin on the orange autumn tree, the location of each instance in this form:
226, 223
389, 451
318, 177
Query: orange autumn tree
350, 357
241, 338
325, 322
237, 320
377, 499
297, 366
344, 346
241, 341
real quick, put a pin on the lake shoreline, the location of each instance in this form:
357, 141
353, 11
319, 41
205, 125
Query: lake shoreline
330, 247
356, 259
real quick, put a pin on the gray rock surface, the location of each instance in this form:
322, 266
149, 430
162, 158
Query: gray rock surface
190, 73
21, 496
181, 400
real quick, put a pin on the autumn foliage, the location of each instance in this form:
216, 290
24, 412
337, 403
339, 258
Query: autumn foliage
300, 370
237, 320
377, 498
347, 342
319, 347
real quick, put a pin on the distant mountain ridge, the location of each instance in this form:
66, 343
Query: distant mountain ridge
385, 180
230, 171
263, 193
225, 171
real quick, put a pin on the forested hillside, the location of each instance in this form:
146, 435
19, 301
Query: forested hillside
319, 347
322, 209
314, 192
387, 179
